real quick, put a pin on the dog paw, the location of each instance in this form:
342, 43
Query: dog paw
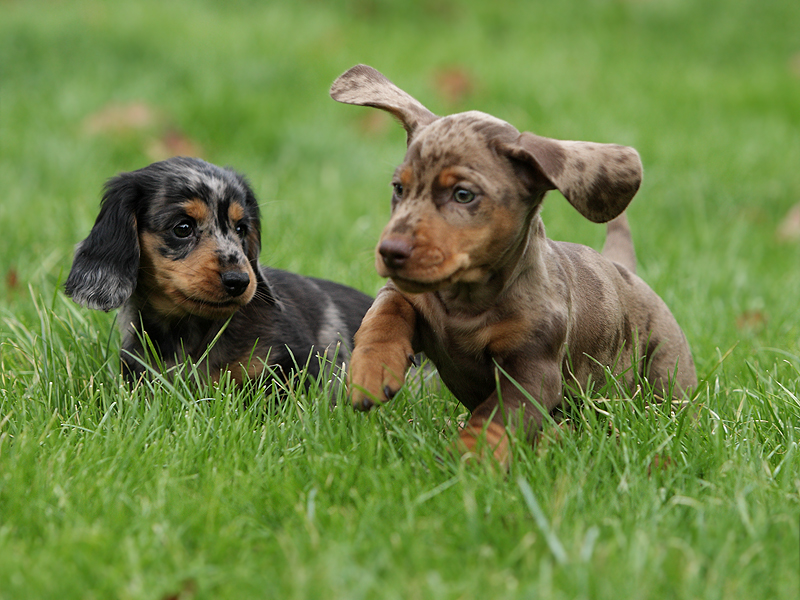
484, 441
376, 374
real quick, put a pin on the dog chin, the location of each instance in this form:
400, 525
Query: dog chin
417, 287
208, 309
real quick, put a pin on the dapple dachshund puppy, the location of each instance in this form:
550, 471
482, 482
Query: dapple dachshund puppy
503, 312
177, 244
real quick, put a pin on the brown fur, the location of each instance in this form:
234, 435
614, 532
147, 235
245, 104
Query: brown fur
475, 283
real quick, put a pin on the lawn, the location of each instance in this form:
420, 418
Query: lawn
175, 490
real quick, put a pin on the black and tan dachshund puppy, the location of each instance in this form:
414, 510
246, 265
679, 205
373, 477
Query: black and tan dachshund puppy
176, 244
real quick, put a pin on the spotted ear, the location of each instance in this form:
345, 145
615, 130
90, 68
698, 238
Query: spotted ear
252, 241
106, 264
599, 180
364, 86
253, 250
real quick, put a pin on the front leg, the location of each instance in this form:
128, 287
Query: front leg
508, 408
382, 350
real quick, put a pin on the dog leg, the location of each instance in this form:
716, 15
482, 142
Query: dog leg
509, 409
383, 350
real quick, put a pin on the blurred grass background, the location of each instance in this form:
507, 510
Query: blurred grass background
708, 92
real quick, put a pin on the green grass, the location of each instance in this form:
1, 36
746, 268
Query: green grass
176, 489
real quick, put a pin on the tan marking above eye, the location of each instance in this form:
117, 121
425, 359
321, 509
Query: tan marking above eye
196, 209
405, 176
448, 178
235, 212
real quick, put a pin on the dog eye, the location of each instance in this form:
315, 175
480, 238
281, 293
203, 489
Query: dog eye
183, 229
398, 189
463, 196
241, 230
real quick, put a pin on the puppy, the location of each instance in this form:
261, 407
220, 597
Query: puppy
508, 316
176, 244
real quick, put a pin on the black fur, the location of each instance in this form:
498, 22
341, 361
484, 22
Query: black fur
138, 240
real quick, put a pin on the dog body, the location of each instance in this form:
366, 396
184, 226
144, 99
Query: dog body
503, 312
177, 245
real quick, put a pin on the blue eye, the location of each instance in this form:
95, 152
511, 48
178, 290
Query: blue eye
183, 229
463, 196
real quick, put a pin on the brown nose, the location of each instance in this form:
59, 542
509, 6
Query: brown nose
394, 252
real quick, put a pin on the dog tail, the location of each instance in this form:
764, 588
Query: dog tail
619, 243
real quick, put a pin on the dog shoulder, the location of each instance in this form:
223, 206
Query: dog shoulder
322, 304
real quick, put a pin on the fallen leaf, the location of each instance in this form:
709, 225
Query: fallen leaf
173, 143
454, 84
375, 123
751, 320
12, 279
794, 64
120, 118
789, 228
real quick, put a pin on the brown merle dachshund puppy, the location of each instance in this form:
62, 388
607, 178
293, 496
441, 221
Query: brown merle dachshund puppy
509, 317
176, 244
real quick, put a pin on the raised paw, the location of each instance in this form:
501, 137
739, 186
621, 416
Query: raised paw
376, 373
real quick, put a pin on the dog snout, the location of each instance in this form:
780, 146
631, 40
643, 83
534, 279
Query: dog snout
235, 282
394, 252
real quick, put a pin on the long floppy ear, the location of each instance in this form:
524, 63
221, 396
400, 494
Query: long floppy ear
364, 86
106, 264
253, 238
599, 180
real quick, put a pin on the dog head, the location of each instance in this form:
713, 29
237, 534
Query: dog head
466, 192
182, 235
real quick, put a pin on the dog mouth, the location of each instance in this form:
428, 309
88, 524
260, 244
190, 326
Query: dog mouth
209, 308
417, 279
413, 286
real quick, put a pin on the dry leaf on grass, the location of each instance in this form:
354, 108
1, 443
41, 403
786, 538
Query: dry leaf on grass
375, 123
751, 320
12, 279
159, 140
794, 64
122, 118
172, 143
789, 228
454, 84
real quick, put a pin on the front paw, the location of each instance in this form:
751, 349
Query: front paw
483, 440
376, 373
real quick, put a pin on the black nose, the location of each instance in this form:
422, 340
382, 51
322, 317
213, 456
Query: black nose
394, 252
235, 282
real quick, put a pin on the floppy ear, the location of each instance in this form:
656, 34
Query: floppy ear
106, 264
253, 252
599, 180
253, 240
364, 86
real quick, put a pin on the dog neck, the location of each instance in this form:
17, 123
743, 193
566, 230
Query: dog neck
522, 261
187, 335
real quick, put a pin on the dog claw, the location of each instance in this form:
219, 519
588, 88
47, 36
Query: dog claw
366, 404
387, 391
413, 360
